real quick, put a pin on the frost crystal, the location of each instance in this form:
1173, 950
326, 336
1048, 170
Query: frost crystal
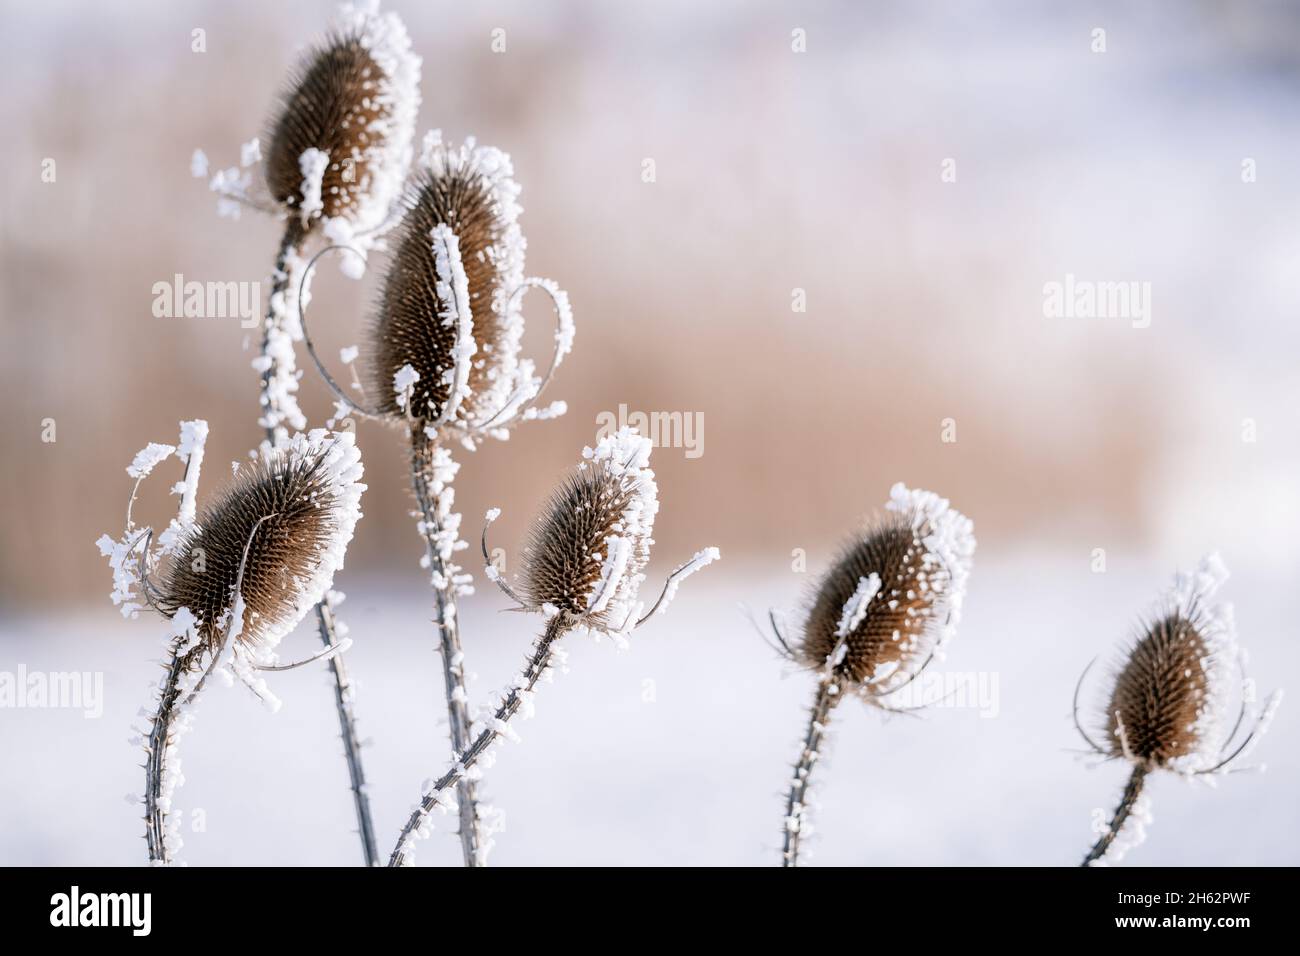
147, 457
313, 163
453, 290
403, 381
948, 537
386, 160
701, 559
855, 608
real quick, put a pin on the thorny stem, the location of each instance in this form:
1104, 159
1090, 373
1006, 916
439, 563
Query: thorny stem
538, 664
448, 626
155, 818
348, 730
281, 282
1126, 803
796, 807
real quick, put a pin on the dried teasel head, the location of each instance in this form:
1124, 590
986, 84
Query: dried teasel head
892, 598
268, 545
444, 343
1170, 704
587, 550
339, 147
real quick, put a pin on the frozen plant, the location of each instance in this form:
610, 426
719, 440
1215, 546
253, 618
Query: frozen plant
334, 158
231, 581
877, 619
582, 568
442, 359
1178, 701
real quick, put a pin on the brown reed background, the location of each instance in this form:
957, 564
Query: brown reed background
774, 171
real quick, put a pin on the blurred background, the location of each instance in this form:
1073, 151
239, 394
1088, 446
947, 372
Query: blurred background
840, 263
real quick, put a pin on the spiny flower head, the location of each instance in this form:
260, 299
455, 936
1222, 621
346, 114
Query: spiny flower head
893, 597
1168, 707
444, 343
285, 521
339, 148
588, 548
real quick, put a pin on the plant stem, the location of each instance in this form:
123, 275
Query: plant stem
538, 664
282, 288
796, 809
348, 731
434, 499
282, 281
155, 817
1126, 803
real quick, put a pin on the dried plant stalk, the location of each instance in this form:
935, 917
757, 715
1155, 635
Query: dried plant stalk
238, 578
878, 617
582, 568
160, 739
796, 802
343, 700
1122, 812
539, 663
1170, 705
433, 498
285, 288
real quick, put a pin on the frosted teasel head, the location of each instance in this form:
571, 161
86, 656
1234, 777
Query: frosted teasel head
338, 148
587, 551
240, 574
1178, 698
892, 599
442, 350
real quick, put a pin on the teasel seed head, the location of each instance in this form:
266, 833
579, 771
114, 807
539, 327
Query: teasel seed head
587, 550
450, 292
893, 597
340, 145
1169, 706
286, 520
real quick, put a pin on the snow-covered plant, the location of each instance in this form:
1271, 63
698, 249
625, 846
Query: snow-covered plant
442, 350
335, 156
1177, 700
582, 569
443, 360
877, 619
231, 581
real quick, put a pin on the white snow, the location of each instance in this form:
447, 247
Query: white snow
313, 163
701, 559
948, 537
453, 291
855, 608
147, 458
403, 381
